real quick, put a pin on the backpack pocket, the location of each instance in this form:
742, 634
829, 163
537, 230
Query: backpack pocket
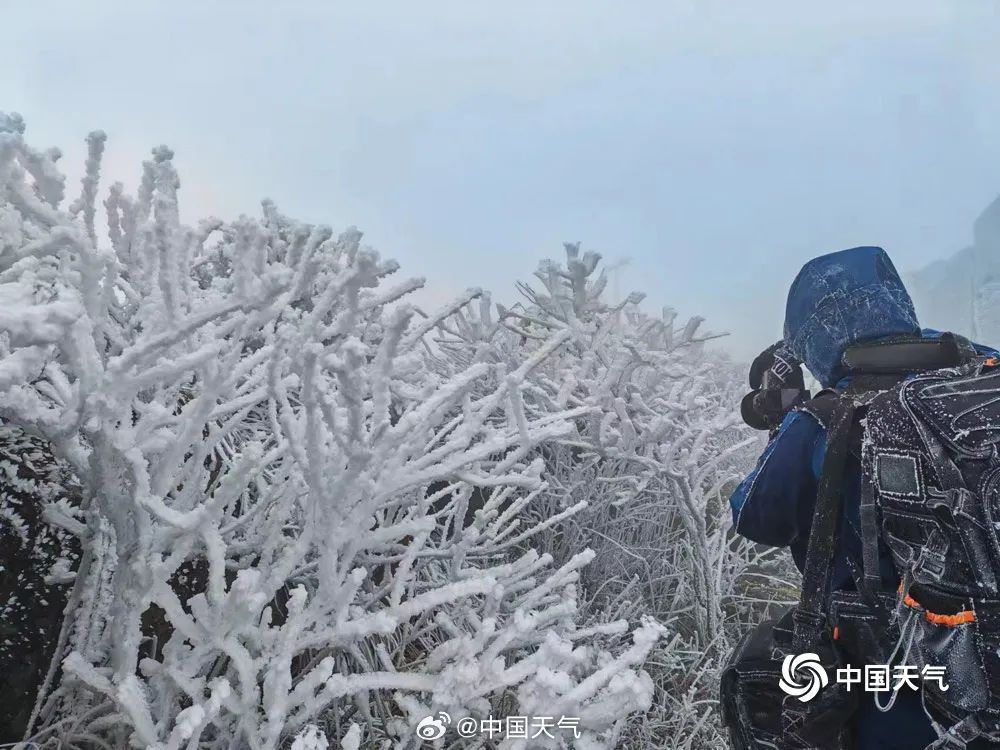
946, 649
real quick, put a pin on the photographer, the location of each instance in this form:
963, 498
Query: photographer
838, 302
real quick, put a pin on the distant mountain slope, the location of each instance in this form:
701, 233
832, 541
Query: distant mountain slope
962, 293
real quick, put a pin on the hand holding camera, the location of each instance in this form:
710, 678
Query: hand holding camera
777, 387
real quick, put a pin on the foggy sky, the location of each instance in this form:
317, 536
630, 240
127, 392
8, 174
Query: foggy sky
716, 145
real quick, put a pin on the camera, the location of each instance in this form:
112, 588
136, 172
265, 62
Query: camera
777, 386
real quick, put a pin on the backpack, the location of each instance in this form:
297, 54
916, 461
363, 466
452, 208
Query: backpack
923, 418
931, 499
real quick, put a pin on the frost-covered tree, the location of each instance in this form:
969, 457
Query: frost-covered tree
309, 514
275, 487
647, 471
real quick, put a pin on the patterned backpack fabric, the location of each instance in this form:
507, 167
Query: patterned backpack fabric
931, 499
927, 441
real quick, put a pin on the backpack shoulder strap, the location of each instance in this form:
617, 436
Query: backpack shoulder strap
821, 406
809, 616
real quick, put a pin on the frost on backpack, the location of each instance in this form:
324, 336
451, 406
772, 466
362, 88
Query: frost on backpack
931, 474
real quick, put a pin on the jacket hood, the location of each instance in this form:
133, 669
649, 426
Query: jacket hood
840, 299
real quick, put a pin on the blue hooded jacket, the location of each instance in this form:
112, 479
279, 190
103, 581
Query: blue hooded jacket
835, 301
840, 299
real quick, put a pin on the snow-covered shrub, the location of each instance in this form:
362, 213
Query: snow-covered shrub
291, 526
654, 460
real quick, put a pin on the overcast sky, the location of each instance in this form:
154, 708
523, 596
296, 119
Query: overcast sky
716, 145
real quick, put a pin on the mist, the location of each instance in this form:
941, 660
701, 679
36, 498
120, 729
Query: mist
715, 148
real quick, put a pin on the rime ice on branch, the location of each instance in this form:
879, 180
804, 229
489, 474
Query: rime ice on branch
290, 523
642, 479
